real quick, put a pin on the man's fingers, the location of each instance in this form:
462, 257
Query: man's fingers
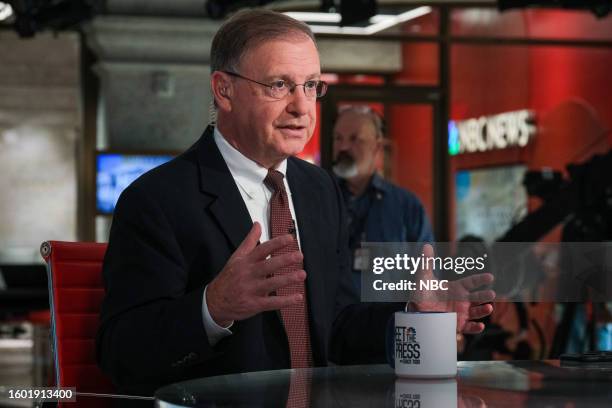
279, 302
274, 264
473, 328
482, 296
428, 251
478, 312
471, 401
476, 281
276, 282
250, 241
262, 251
426, 271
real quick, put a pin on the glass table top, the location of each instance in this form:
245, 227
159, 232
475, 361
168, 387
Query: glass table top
478, 384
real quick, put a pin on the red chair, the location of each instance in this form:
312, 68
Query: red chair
74, 270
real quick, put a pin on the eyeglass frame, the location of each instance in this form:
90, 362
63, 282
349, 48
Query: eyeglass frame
291, 89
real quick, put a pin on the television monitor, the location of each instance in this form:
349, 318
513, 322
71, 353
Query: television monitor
116, 171
489, 201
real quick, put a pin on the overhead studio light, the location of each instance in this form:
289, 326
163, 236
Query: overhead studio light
378, 22
380, 18
332, 18
6, 11
399, 19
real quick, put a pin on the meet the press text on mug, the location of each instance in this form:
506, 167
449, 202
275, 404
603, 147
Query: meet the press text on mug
407, 348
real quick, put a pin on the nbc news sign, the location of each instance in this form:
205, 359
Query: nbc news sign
486, 133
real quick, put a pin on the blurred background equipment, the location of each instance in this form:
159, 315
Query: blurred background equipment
23, 288
352, 12
357, 11
32, 16
585, 197
579, 199
218, 9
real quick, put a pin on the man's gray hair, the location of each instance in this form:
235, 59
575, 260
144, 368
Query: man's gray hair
248, 29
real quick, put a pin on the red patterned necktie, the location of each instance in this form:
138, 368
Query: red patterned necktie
295, 317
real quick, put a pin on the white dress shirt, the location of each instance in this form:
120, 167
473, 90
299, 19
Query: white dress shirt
249, 177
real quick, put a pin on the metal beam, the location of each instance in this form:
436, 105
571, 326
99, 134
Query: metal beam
475, 40
440, 162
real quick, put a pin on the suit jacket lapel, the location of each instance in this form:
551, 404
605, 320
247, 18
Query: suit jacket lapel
225, 202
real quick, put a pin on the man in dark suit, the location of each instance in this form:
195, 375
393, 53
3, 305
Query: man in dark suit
189, 291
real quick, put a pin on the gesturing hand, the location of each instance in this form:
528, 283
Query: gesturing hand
462, 297
242, 288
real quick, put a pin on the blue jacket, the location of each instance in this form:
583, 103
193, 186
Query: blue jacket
384, 213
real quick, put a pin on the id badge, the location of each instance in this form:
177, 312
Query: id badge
361, 259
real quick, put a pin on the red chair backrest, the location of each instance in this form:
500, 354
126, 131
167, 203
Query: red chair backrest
75, 293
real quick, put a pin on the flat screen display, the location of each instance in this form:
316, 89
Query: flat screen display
114, 172
489, 201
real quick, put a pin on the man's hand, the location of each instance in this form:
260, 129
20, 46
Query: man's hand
462, 297
242, 288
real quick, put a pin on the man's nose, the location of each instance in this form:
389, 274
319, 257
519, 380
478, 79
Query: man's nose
342, 144
299, 103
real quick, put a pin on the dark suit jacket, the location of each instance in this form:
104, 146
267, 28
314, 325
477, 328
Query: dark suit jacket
173, 231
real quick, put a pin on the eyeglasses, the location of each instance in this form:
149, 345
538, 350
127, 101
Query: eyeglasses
281, 88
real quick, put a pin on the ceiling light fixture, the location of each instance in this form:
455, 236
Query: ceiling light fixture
399, 19
378, 22
315, 17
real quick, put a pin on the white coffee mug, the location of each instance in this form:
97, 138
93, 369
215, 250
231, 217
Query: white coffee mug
425, 344
425, 393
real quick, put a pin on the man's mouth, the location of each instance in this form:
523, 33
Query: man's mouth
344, 159
292, 127
292, 130
344, 166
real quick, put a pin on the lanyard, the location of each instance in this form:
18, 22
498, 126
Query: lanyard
358, 224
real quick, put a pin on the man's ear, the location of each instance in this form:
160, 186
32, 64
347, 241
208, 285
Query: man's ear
221, 87
380, 144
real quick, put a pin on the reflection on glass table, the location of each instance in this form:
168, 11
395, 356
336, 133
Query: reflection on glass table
478, 384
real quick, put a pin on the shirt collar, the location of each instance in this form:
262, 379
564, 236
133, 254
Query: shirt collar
379, 183
248, 174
